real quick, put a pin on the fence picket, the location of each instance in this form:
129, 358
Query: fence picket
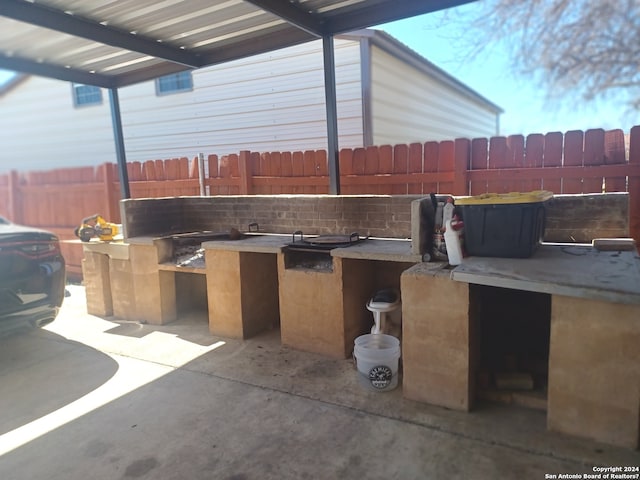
297, 165
446, 163
224, 172
462, 158
400, 166
515, 149
614, 153
593, 155
262, 168
479, 159
534, 158
171, 169
309, 169
212, 164
385, 159
135, 173
149, 171
498, 160
359, 165
345, 158
275, 170
431, 152
194, 169
212, 161
234, 172
415, 166
372, 167
322, 163
552, 158
286, 165
359, 161
255, 163
159, 170
573, 148
372, 161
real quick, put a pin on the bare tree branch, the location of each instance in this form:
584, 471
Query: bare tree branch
586, 48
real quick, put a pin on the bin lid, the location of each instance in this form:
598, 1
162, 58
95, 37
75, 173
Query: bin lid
506, 198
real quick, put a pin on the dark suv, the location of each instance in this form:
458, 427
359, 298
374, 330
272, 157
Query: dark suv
32, 276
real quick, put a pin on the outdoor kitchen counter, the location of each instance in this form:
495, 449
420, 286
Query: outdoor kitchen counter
142, 240
106, 271
570, 270
384, 249
252, 286
594, 362
115, 249
253, 242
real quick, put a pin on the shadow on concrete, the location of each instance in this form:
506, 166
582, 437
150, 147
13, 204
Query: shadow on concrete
191, 326
181, 403
256, 410
41, 372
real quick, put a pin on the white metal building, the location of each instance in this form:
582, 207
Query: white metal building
386, 94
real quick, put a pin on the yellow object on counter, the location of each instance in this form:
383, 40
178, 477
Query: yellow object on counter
535, 196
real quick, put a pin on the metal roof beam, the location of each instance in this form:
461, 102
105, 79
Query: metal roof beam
148, 74
293, 15
42, 16
377, 14
55, 71
272, 40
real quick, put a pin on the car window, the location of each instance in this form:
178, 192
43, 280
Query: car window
4, 221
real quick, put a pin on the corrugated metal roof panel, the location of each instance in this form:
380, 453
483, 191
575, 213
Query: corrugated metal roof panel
120, 42
333, 6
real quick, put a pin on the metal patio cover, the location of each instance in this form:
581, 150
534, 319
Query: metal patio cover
115, 43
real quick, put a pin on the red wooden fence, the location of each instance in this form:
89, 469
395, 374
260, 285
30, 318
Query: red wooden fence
594, 161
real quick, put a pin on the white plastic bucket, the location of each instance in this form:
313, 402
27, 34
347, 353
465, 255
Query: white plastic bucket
377, 356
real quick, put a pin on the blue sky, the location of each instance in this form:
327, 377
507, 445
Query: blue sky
526, 108
4, 75
525, 105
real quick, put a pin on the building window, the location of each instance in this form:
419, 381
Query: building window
86, 95
177, 82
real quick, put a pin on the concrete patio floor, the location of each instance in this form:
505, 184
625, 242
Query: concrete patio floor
91, 398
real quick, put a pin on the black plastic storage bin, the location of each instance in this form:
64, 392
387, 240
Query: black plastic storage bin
503, 225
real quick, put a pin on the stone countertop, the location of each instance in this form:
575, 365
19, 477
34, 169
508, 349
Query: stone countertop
254, 242
561, 269
141, 240
430, 269
385, 249
117, 249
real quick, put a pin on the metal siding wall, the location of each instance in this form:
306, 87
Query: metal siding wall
409, 106
40, 129
268, 102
